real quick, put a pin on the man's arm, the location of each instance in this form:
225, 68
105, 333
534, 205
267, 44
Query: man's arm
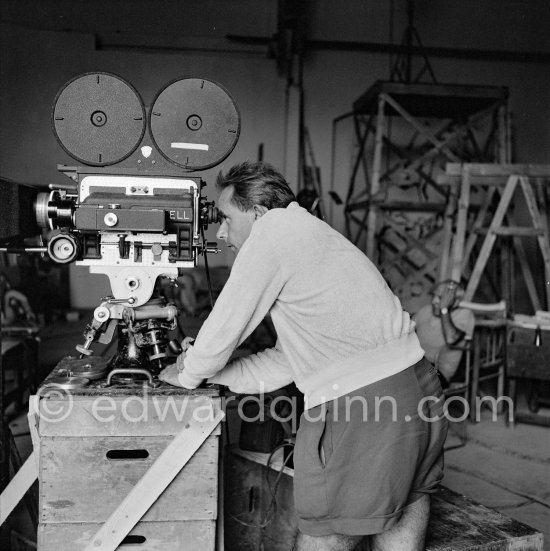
262, 372
254, 284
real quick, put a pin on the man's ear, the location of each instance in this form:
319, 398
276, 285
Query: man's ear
259, 211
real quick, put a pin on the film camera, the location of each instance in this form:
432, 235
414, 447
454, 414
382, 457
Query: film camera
130, 210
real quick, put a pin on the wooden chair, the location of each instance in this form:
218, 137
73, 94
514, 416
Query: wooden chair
487, 354
452, 361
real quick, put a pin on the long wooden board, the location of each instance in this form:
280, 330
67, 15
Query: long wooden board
153, 483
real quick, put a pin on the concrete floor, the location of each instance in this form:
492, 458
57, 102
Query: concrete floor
506, 468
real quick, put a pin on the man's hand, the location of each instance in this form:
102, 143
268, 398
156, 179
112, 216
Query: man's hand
174, 376
186, 343
171, 375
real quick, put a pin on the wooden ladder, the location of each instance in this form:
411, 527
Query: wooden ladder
502, 224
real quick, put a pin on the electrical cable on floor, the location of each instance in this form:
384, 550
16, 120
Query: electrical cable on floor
272, 508
273, 490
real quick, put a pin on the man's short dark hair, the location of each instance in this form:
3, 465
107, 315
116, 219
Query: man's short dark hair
256, 183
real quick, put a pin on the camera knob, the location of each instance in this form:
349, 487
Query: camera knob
63, 248
110, 219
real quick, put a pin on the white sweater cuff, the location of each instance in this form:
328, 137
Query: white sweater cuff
186, 379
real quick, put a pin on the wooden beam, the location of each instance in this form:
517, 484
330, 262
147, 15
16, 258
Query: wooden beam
499, 170
439, 145
490, 238
462, 219
542, 238
153, 483
18, 487
376, 169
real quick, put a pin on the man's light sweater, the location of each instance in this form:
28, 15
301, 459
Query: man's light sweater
339, 326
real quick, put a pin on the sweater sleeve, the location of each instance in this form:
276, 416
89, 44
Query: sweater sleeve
254, 284
262, 372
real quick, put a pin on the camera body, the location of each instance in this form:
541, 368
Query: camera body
130, 227
130, 210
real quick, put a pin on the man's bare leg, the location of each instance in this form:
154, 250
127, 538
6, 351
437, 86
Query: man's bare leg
409, 534
334, 542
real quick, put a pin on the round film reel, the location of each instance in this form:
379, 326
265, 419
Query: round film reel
99, 119
194, 123
67, 383
92, 367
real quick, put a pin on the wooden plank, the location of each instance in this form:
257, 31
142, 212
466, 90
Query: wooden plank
79, 483
32, 417
31, 496
478, 223
425, 99
459, 524
138, 415
499, 170
375, 181
17, 488
477, 181
220, 534
461, 223
520, 231
159, 536
504, 135
448, 222
362, 137
541, 227
26, 475
153, 483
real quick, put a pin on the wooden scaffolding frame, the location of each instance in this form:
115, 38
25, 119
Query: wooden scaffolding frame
445, 122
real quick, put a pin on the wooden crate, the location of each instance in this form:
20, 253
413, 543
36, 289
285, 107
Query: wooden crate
99, 445
79, 483
523, 358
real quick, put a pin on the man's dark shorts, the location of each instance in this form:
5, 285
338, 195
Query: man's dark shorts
361, 459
